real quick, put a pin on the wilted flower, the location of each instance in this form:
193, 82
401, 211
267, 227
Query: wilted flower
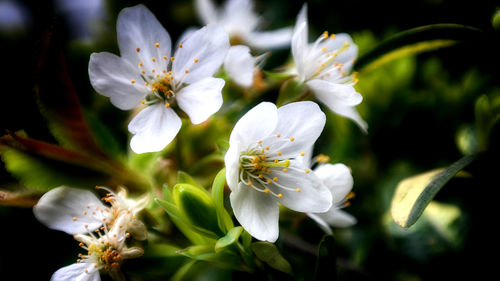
78, 211
324, 66
106, 250
239, 20
338, 179
147, 73
264, 166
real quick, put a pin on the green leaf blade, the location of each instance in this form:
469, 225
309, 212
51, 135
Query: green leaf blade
268, 253
224, 220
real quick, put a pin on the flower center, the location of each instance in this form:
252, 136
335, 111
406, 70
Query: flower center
100, 252
263, 164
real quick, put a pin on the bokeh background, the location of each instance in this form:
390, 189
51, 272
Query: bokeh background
421, 109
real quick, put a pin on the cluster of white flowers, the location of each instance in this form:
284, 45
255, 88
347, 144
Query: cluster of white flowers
101, 228
269, 158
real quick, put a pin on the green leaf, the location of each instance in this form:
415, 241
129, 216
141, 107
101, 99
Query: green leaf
223, 219
181, 272
225, 259
327, 259
291, 90
230, 238
268, 253
414, 194
197, 207
414, 41
183, 177
246, 239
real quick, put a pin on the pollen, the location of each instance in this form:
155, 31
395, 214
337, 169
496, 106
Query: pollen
196, 60
172, 58
74, 218
249, 183
85, 270
167, 105
284, 170
146, 83
292, 139
302, 154
261, 176
276, 161
266, 191
153, 59
280, 195
153, 70
259, 142
157, 45
143, 72
298, 189
132, 81
267, 147
269, 181
325, 35
332, 36
138, 49
186, 71
307, 171
279, 153
165, 57
275, 179
141, 64
323, 49
278, 135
180, 45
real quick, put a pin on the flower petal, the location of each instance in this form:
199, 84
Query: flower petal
201, 99
153, 128
77, 272
337, 178
313, 195
333, 93
69, 209
112, 76
137, 27
299, 42
321, 223
301, 122
255, 125
337, 217
279, 38
201, 55
256, 212
351, 113
239, 65
232, 163
238, 17
206, 11
339, 42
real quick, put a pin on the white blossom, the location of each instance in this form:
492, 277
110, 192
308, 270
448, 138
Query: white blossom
241, 66
325, 66
264, 166
147, 73
240, 21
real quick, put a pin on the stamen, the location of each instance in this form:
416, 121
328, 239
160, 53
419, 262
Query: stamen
302, 154
132, 81
157, 45
74, 218
167, 105
298, 189
284, 170
278, 135
196, 60
307, 171
180, 45
138, 49
186, 71
280, 195
292, 138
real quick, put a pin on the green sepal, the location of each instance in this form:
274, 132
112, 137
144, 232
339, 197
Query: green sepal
230, 238
268, 253
223, 219
291, 90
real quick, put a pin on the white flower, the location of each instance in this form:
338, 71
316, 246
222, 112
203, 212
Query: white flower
324, 67
147, 73
239, 20
338, 179
76, 211
264, 166
241, 66
106, 250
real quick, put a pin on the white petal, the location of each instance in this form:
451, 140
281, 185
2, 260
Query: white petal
313, 196
255, 125
201, 99
338, 42
279, 38
302, 121
232, 163
58, 208
299, 42
240, 65
337, 217
334, 94
257, 212
351, 113
321, 223
112, 76
76, 272
239, 18
337, 178
186, 34
201, 54
206, 11
137, 27
153, 128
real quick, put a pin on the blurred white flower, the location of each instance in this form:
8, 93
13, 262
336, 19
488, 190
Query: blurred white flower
241, 66
146, 73
325, 66
106, 250
77, 211
264, 166
338, 179
13, 17
239, 20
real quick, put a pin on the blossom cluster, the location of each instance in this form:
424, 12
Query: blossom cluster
270, 158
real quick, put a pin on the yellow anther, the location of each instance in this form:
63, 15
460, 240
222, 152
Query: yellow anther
153, 59
302, 154
325, 35
157, 45
249, 183
196, 60
81, 244
323, 49
152, 70
298, 189
332, 36
266, 191
146, 83
284, 170
186, 71
276, 161
350, 195
268, 171
267, 147
132, 81
279, 153
278, 135
180, 45
259, 142
307, 171
269, 181
280, 195
154, 89
85, 270
343, 73
172, 58
143, 71
167, 105
138, 49
164, 71
262, 151
141, 64
165, 57
74, 218
275, 179
127, 235
292, 139
261, 176
263, 157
